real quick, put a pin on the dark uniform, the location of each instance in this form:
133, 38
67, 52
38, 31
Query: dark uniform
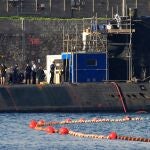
28, 71
40, 75
52, 69
15, 74
33, 73
3, 73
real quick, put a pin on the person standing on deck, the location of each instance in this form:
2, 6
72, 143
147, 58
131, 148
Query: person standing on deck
15, 74
3, 73
52, 70
40, 75
10, 75
28, 74
33, 68
84, 38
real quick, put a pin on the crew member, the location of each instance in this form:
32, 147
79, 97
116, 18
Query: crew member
84, 37
40, 75
3, 73
118, 19
15, 74
52, 69
33, 68
28, 71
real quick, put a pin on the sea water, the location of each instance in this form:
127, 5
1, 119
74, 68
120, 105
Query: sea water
15, 133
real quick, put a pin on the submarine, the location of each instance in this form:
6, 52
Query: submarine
112, 76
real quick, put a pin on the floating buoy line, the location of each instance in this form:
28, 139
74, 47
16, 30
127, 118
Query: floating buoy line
48, 127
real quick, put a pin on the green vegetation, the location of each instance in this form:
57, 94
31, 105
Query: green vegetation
44, 18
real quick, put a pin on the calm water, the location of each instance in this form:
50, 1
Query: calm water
16, 135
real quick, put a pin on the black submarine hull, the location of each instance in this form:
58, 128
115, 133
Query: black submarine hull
88, 97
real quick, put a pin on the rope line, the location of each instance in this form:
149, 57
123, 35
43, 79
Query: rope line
41, 125
125, 119
83, 135
96, 136
129, 138
120, 96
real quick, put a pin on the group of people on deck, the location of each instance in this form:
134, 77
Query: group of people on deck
13, 75
31, 74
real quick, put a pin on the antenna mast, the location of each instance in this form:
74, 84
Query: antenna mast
130, 51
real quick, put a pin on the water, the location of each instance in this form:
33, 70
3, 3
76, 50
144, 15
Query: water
16, 135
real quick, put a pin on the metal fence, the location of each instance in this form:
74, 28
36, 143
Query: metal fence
71, 8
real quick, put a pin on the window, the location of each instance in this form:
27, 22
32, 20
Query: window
91, 62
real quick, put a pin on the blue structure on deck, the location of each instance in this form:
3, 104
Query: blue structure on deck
86, 67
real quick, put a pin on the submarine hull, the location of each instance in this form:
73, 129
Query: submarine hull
89, 97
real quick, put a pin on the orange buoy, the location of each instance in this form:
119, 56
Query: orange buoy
112, 135
63, 130
50, 130
32, 124
41, 122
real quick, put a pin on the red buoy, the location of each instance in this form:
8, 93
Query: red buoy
32, 124
63, 130
50, 130
41, 122
112, 135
